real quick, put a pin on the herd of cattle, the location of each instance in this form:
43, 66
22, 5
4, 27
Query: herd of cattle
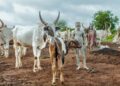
59, 43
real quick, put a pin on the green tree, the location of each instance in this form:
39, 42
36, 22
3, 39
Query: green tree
62, 24
103, 19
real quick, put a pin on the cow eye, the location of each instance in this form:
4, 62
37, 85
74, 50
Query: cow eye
57, 28
46, 28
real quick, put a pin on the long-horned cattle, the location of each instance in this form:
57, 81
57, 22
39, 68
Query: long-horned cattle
6, 36
91, 36
38, 37
101, 34
57, 50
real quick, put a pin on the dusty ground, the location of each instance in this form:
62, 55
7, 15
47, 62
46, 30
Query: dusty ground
106, 64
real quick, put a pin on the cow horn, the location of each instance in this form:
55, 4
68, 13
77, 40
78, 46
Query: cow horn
55, 22
1, 23
40, 17
105, 27
84, 26
110, 26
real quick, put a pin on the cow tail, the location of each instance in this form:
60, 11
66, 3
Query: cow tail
63, 59
56, 52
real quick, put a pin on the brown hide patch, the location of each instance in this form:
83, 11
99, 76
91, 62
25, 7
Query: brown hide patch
51, 48
74, 44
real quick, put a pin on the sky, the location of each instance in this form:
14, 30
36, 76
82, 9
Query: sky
26, 12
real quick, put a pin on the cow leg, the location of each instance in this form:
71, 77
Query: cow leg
100, 41
54, 71
6, 49
20, 56
83, 52
17, 57
35, 63
36, 53
24, 49
38, 60
61, 71
77, 58
54, 63
91, 44
2, 50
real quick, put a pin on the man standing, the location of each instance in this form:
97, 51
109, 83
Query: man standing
79, 35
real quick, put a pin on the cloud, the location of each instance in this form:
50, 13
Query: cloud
25, 12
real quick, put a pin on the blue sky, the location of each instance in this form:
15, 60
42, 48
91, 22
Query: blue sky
25, 12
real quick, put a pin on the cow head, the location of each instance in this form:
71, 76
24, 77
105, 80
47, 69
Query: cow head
2, 25
51, 28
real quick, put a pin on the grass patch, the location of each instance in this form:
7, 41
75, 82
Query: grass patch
109, 38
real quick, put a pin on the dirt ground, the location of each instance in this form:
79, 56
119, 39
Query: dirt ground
106, 65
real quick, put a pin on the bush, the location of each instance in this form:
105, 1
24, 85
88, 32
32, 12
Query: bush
109, 38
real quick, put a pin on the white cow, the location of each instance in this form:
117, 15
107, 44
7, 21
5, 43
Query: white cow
116, 38
63, 35
5, 38
32, 36
66, 35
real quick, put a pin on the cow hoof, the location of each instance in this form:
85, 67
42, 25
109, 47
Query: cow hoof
35, 70
17, 67
54, 84
40, 68
62, 82
78, 68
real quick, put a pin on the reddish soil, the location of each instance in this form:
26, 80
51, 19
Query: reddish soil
106, 65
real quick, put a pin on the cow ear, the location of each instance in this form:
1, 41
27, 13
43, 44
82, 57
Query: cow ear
57, 28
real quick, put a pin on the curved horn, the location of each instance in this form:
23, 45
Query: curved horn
110, 26
13, 27
55, 22
94, 27
84, 26
43, 22
1, 23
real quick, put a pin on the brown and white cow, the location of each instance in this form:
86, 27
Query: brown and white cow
57, 50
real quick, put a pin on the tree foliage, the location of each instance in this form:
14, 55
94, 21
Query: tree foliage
62, 24
104, 17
